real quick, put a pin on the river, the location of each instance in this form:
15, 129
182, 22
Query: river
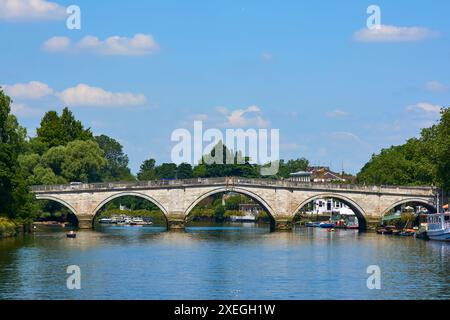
230, 262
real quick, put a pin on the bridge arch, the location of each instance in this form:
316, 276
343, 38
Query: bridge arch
132, 194
61, 202
244, 191
431, 207
356, 208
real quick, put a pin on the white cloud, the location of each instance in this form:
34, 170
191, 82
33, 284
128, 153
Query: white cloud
22, 110
239, 118
57, 44
31, 90
138, 45
337, 114
345, 136
222, 110
426, 107
85, 95
30, 10
389, 33
435, 86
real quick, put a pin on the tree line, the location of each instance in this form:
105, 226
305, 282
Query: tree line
424, 160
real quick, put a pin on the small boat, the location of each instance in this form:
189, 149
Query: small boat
313, 224
71, 234
326, 225
438, 226
353, 227
139, 222
105, 220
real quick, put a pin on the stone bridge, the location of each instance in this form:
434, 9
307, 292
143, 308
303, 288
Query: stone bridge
281, 199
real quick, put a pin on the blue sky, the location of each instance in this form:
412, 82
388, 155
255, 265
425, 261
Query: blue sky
336, 91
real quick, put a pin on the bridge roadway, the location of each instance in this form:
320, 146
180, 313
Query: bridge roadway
281, 199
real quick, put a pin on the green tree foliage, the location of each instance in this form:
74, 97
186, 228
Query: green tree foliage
64, 151
147, 170
83, 161
219, 214
14, 193
58, 130
219, 162
150, 171
166, 171
184, 171
116, 168
442, 149
420, 161
285, 168
222, 162
77, 161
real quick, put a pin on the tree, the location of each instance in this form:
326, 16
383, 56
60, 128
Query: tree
147, 170
184, 171
443, 150
221, 162
166, 171
219, 213
73, 128
420, 161
14, 194
78, 161
58, 131
5, 109
83, 161
286, 168
116, 168
51, 131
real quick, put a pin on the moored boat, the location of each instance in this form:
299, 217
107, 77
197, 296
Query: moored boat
438, 226
327, 225
313, 224
105, 221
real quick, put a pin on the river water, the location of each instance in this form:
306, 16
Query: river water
231, 262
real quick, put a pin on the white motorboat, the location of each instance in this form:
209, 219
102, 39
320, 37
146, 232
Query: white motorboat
438, 226
105, 220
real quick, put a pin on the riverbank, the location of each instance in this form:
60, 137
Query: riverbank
10, 228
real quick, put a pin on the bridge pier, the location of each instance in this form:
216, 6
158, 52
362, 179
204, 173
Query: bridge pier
372, 222
85, 221
176, 222
283, 223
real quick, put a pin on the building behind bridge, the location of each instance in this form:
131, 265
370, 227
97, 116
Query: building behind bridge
321, 175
